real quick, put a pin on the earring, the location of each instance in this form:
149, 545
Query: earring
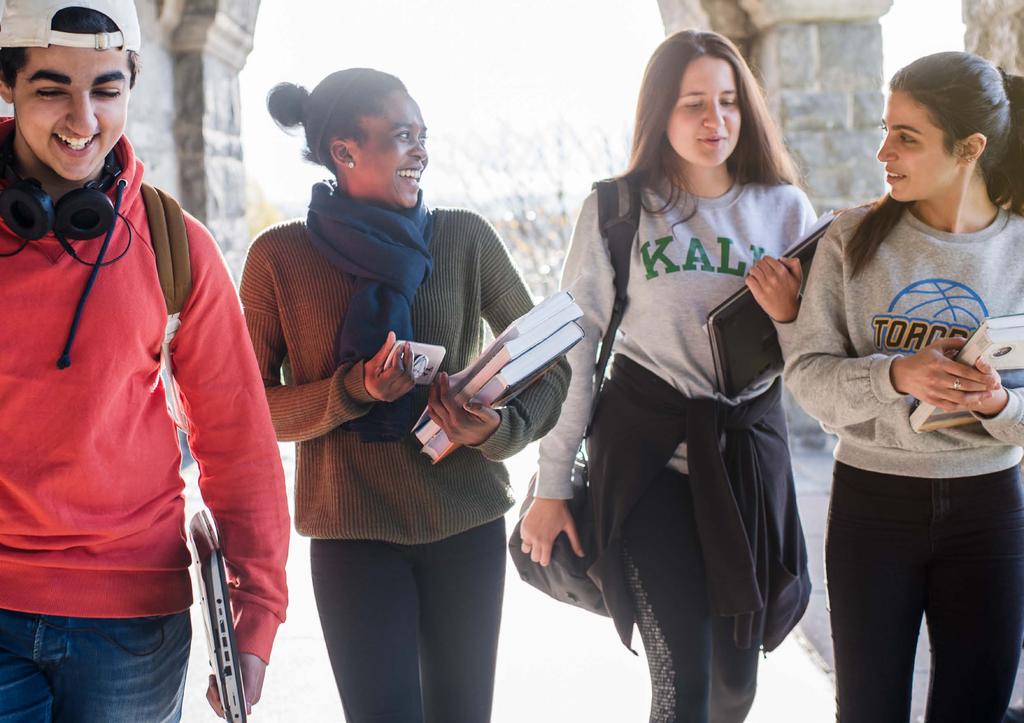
351, 164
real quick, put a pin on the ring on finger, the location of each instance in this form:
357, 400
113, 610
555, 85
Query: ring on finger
956, 384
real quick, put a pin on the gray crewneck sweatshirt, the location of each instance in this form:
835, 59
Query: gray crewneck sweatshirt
921, 284
679, 271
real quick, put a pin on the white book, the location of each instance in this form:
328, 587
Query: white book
519, 373
518, 337
511, 380
1000, 342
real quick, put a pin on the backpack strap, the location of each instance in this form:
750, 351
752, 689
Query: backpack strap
174, 268
170, 243
618, 214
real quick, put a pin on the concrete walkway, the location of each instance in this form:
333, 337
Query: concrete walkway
555, 664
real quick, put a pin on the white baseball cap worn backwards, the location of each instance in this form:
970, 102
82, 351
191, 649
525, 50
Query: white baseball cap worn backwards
26, 24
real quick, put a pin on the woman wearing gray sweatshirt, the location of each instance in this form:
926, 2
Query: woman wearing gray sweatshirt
718, 194
923, 524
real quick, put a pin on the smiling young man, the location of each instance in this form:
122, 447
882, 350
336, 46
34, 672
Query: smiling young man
94, 584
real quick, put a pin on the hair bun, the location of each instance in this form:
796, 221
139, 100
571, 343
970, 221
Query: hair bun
287, 104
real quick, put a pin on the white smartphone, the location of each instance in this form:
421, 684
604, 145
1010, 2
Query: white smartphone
426, 360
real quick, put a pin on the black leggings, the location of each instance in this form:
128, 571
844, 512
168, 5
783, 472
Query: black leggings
949, 549
412, 630
697, 672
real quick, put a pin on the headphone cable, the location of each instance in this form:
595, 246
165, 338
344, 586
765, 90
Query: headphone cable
65, 358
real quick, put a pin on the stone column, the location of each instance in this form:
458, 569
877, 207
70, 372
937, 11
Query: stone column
722, 16
211, 42
995, 30
821, 64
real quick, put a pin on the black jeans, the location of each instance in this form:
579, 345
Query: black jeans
697, 672
952, 550
412, 630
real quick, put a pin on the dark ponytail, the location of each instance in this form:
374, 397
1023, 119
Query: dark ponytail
334, 108
964, 94
1013, 166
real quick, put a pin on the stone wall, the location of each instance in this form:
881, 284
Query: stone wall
211, 41
995, 30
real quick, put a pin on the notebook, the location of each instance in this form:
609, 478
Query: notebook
214, 599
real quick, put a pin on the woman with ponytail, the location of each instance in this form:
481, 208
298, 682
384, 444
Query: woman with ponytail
928, 524
407, 558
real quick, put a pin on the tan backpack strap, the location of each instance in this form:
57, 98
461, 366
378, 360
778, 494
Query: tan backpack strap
170, 244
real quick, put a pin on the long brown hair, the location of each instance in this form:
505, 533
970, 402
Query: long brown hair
964, 94
759, 156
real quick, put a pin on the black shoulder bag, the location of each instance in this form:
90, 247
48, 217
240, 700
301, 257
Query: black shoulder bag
566, 579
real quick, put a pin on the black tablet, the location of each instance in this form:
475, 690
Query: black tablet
744, 344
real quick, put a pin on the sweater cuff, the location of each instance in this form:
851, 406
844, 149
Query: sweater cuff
881, 381
501, 444
352, 381
786, 331
1011, 415
556, 487
255, 629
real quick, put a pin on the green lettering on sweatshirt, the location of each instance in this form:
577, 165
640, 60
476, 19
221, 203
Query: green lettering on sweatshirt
650, 259
726, 244
696, 253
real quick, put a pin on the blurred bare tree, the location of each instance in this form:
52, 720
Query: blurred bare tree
529, 185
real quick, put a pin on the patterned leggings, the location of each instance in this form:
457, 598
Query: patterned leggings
697, 673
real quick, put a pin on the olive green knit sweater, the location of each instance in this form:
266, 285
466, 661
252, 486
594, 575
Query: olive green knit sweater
294, 302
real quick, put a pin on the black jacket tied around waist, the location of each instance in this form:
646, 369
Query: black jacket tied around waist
744, 498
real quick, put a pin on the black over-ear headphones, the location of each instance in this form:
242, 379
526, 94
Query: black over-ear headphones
82, 213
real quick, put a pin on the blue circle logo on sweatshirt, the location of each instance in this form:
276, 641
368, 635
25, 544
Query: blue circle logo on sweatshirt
925, 311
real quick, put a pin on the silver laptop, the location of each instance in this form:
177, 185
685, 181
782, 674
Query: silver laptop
212, 583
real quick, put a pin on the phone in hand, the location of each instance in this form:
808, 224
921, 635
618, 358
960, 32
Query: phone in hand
426, 359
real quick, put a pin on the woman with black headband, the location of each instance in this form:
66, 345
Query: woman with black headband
407, 559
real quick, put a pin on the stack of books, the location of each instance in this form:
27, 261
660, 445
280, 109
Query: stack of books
1000, 342
515, 359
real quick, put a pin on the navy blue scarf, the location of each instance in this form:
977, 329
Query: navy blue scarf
387, 250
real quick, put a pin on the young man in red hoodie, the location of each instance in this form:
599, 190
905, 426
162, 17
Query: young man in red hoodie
94, 581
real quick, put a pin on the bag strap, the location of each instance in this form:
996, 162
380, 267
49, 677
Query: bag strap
170, 243
174, 268
618, 214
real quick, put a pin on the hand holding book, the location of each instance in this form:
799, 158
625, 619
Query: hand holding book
469, 424
955, 379
516, 358
931, 375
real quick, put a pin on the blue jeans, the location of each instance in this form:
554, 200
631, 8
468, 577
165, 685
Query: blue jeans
92, 670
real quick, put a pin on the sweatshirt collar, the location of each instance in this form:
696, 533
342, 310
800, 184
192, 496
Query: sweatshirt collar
993, 229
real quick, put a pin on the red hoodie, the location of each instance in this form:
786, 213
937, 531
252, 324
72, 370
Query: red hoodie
91, 502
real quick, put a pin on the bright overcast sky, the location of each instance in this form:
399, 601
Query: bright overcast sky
479, 67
